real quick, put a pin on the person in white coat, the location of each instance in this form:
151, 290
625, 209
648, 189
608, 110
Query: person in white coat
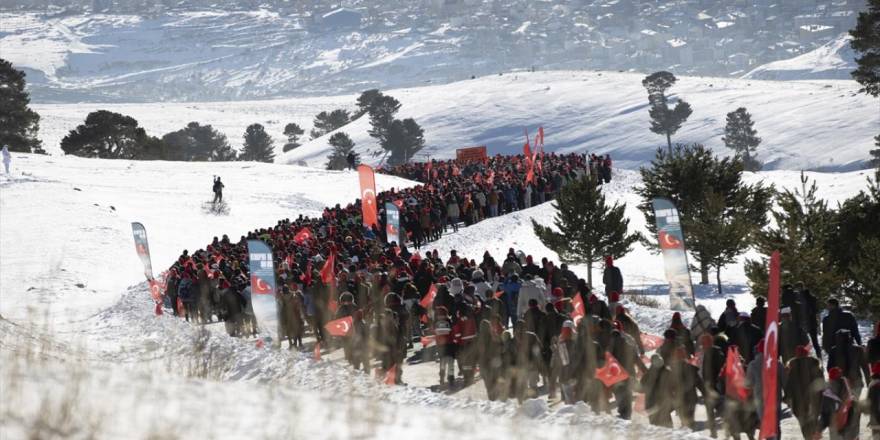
7, 158
531, 289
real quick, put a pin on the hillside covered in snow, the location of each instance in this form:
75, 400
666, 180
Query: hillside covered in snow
824, 125
833, 60
78, 333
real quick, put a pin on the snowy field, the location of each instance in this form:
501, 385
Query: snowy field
820, 125
82, 351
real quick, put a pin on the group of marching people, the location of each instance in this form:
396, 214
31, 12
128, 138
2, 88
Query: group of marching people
525, 326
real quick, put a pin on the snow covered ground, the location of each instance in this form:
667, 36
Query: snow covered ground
82, 352
832, 60
822, 125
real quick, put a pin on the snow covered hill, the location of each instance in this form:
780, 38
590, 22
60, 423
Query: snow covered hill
833, 60
824, 125
804, 125
77, 332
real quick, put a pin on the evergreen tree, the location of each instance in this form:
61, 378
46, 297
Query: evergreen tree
365, 102
664, 120
855, 246
18, 123
293, 131
866, 41
403, 140
587, 228
875, 153
197, 142
803, 226
718, 212
342, 146
106, 135
382, 114
741, 137
326, 122
258, 145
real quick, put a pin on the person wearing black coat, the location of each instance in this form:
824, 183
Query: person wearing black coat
759, 313
791, 335
714, 357
838, 319
627, 354
874, 401
803, 387
851, 359
611, 277
810, 313
873, 347
657, 388
746, 336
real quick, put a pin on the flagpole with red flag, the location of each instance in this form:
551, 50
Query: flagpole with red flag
769, 420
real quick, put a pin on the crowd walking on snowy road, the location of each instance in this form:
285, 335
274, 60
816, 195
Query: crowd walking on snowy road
523, 325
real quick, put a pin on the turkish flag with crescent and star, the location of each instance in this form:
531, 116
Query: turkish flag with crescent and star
368, 195
155, 290
612, 373
669, 241
340, 327
577, 303
303, 235
259, 286
735, 375
771, 353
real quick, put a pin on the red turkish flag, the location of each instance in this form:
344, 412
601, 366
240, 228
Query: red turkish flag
651, 342
735, 375
259, 287
398, 203
526, 150
669, 241
491, 179
306, 278
612, 372
428, 340
577, 303
327, 272
155, 290
428, 300
303, 235
391, 375
340, 327
499, 294
771, 353
368, 195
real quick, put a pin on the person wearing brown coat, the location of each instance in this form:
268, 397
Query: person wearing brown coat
803, 387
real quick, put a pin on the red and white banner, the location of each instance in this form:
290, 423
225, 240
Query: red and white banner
142, 248
577, 303
340, 327
771, 354
303, 235
368, 195
612, 372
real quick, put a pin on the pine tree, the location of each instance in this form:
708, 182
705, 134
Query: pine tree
106, 135
18, 123
293, 131
197, 142
664, 120
365, 102
342, 146
866, 41
403, 140
587, 228
382, 113
718, 211
326, 122
803, 226
855, 246
741, 137
258, 145
875, 153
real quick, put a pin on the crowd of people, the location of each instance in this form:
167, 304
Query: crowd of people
523, 325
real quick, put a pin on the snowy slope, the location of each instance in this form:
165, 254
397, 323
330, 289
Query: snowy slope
810, 125
804, 125
65, 221
833, 60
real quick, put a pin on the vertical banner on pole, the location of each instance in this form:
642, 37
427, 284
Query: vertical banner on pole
392, 224
142, 248
771, 354
368, 195
262, 270
671, 237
